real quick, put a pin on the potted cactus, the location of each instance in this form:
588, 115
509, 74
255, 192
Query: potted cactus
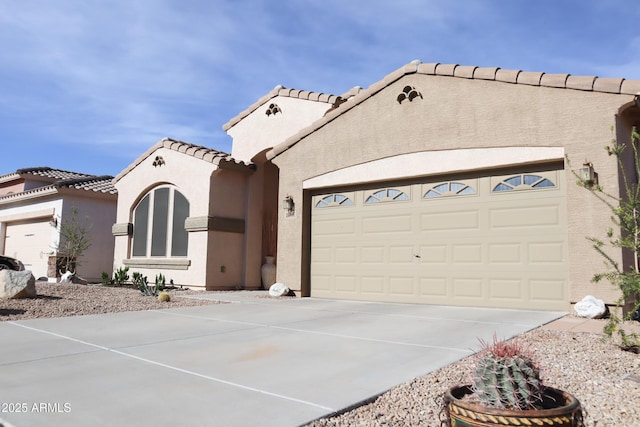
507, 391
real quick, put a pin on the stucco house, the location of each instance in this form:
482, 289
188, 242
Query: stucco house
35, 202
204, 218
439, 184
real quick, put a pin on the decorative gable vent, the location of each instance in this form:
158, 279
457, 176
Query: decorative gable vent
273, 109
410, 93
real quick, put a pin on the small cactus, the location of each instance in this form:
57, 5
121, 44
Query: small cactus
506, 377
164, 297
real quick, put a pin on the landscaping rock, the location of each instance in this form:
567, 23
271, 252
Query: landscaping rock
590, 307
17, 284
278, 290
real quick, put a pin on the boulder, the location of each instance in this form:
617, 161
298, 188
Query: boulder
278, 290
590, 307
17, 284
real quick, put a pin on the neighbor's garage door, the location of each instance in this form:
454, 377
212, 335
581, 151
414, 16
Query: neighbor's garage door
489, 241
29, 241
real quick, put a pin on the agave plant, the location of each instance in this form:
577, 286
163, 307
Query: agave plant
506, 376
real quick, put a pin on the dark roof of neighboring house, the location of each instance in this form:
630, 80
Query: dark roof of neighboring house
564, 81
54, 179
92, 183
48, 172
220, 158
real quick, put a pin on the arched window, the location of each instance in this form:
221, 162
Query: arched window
449, 189
334, 200
387, 195
158, 224
523, 182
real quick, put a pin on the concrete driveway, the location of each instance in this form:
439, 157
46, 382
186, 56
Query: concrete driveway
258, 361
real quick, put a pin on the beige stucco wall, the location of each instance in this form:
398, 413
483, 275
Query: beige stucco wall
100, 214
12, 187
458, 114
258, 131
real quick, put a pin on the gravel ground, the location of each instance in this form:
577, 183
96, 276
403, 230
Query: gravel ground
604, 378
597, 372
63, 300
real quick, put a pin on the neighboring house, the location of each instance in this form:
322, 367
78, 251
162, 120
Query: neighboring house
35, 202
439, 184
204, 218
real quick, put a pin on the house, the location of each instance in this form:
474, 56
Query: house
439, 184
204, 218
34, 205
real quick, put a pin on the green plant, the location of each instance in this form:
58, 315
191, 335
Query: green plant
160, 281
164, 297
142, 283
625, 235
506, 376
75, 239
120, 276
106, 279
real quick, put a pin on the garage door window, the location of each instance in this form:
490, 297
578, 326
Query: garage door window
158, 224
449, 189
333, 200
523, 182
387, 195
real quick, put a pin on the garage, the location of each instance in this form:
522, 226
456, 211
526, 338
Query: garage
491, 239
29, 241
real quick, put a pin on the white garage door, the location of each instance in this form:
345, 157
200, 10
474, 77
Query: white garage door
488, 241
29, 241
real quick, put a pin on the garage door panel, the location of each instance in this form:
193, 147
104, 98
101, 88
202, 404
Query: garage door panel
372, 254
346, 283
449, 220
401, 254
468, 288
433, 254
435, 287
507, 289
467, 254
334, 227
372, 285
505, 253
346, 255
504, 249
387, 224
401, 286
323, 254
530, 217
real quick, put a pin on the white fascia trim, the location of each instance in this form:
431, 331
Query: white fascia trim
427, 163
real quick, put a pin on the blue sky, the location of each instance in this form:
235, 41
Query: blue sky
89, 85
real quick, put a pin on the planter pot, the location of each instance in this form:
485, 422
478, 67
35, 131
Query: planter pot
559, 409
268, 272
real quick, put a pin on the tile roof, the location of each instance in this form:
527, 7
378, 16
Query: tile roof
564, 81
48, 172
58, 178
281, 91
220, 158
102, 184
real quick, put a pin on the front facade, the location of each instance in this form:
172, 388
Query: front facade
204, 218
444, 184
440, 184
36, 202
